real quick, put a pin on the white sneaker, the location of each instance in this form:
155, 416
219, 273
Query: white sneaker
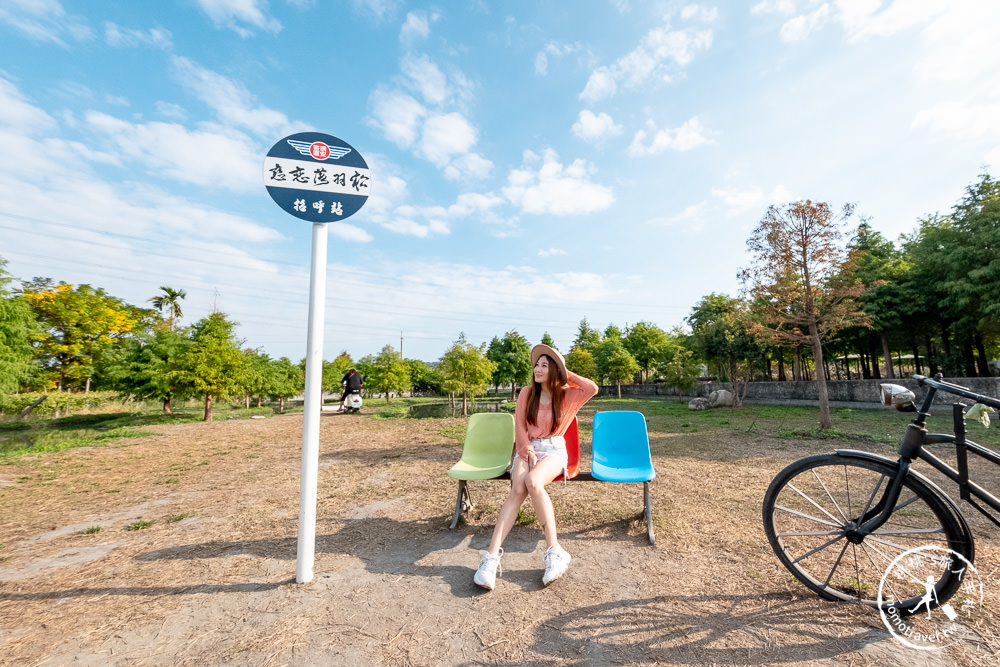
486, 575
556, 563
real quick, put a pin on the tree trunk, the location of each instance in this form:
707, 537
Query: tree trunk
981, 361
781, 365
824, 399
619, 390
208, 407
465, 404
797, 365
166, 405
916, 355
281, 405
513, 391
887, 353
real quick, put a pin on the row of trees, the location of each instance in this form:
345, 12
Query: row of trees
819, 298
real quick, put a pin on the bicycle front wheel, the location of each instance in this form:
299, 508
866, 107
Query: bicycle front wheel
813, 506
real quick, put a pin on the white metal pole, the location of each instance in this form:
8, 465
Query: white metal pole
314, 387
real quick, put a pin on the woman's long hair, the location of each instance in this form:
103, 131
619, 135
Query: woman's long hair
554, 382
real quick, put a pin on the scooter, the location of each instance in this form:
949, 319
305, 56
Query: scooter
353, 402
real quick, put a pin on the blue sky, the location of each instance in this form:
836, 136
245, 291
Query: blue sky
532, 163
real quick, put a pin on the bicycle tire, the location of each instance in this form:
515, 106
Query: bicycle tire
811, 505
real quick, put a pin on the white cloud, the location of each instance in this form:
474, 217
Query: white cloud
397, 115
238, 14
785, 7
964, 121
470, 165
660, 52
556, 189
44, 21
688, 136
798, 28
426, 78
557, 49
600, 85
739, 202
417, 26
17, 113
446, 135
231, 101
551, 252
118, 36
207, 158
594, 127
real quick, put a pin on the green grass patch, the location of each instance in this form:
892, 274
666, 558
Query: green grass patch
91, 530
177, 517
139, 525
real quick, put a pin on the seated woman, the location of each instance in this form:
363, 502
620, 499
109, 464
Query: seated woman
544, 411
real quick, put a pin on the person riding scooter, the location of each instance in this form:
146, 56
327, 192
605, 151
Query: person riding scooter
352, 383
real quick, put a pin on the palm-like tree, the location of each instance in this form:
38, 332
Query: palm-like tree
169, 301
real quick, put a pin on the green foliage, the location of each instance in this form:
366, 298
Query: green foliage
385, 373
214, 366
587, 337
466, 370
646, 343
141, 524
512, 359
169, 301
582, 362
423, 378
154, 368
17, 326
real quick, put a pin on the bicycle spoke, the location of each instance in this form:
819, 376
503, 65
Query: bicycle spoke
809, 516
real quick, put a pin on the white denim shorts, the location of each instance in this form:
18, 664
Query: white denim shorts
554, 446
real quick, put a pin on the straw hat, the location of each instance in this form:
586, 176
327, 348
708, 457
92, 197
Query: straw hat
552, 354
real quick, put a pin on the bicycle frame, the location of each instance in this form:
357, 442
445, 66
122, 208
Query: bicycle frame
912, 447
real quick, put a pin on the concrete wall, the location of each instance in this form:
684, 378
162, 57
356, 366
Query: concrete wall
860, 393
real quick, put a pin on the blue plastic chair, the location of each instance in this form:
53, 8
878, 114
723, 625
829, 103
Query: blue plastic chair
621, 454
486, 454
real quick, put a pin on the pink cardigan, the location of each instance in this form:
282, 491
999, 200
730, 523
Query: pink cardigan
578, 391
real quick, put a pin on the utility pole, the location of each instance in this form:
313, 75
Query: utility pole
401, 345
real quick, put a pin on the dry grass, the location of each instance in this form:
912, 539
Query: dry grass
393, 584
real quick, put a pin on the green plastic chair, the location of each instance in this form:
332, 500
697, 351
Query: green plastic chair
488, 450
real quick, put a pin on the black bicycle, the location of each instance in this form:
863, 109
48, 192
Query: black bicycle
838, 521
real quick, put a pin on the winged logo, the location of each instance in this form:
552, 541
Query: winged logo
325, 152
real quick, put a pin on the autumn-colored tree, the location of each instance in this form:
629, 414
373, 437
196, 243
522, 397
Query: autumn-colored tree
796, 280
77, 323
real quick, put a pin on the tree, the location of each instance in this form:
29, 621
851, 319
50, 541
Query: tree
334, 372
512, 357
678, 366
466, 370
796, 280
622, 367
547, 340
386, 372
721, 331
152, 368
169, 301
587, 337
646, 343
76, 324
615, 363
423, 378
17, 324
582, 363
285, 380
214, 365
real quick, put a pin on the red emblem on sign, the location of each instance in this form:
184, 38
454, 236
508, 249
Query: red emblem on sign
319, 150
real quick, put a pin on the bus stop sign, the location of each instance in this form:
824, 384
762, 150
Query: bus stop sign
317, 177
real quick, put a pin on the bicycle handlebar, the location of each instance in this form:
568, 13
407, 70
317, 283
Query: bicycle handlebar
947, 387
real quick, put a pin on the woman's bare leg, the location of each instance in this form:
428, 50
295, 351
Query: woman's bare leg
508, 512
544, 472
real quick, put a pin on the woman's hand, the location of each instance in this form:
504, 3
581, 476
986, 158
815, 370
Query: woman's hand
532, 459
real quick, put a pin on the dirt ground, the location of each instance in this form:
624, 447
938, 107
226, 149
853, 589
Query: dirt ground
212, 580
